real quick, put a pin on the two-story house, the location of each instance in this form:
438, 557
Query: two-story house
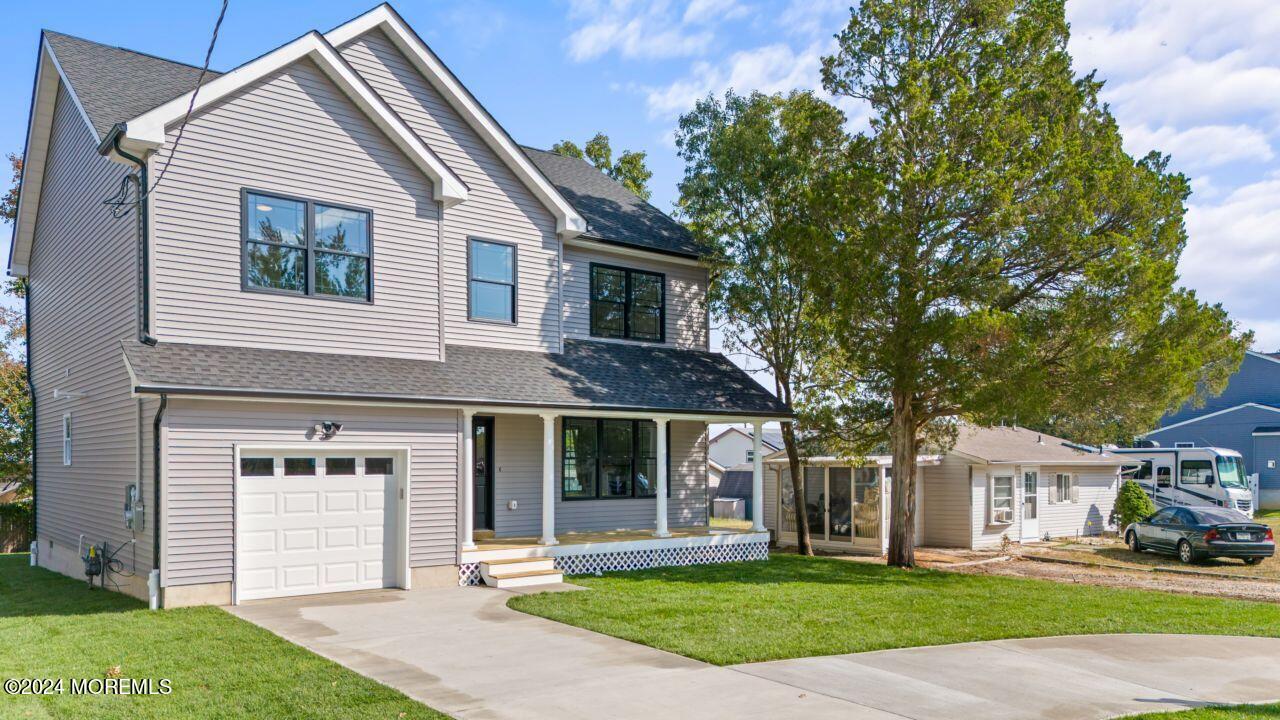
353, 336
1244, 417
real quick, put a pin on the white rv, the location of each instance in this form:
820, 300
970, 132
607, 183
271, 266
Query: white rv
1190, 476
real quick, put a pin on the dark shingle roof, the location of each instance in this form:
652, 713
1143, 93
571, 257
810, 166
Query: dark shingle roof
736, 482
115, 85
587, 374
613, 213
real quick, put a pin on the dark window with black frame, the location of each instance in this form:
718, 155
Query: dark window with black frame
491, 281
610, 459
299, 246
628, 304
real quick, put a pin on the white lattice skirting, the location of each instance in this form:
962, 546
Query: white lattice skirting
469, 573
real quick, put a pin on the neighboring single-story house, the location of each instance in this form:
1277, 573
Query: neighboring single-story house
733, 445
731, 498
1243, 417
994, 482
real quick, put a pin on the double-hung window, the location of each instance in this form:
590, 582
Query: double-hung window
303, 247
1065, 489
66, 438
1002, 500
608, 458
491, 281
628, 304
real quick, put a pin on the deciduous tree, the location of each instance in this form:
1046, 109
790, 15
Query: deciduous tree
630, 168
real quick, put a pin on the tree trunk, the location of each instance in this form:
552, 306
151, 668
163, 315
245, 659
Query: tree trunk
902, 520
797, 489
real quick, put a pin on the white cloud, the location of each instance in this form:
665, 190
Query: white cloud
769, 69
647, 30
1201, 147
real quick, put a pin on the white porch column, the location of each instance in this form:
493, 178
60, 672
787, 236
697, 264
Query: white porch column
660, 522
548, 480
468, 481
757, 477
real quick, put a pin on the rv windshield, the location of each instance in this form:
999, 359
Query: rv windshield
1230, 473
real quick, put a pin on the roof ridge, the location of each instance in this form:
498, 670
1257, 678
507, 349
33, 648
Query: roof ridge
153, 56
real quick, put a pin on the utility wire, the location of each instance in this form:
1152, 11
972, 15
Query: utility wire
119, 203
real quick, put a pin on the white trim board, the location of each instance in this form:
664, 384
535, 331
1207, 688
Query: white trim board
568, 222
1206, 416
147, 132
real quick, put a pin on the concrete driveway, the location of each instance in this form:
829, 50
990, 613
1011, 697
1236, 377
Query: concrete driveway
462, 651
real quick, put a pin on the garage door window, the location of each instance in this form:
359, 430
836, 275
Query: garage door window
339, 466
299, 466
257, 467
378, 466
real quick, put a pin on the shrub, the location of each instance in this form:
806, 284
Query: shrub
1132, 504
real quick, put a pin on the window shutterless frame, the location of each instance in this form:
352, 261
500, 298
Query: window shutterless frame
514, 284
309, 248
599, 459
627, 302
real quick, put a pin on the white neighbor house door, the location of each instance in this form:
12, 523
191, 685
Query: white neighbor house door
1030, 503
317, 522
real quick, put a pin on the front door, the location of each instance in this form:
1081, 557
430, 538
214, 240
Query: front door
482, 434
1163, 496
1030, 504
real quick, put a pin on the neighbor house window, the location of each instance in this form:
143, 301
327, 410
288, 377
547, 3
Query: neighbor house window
1002, 500
491, 281
607, 458
629, 304
66, 439
1195, 472
298, 246
1064, 489
751, 455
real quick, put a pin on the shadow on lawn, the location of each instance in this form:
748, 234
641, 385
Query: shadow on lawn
787, 569
27, 591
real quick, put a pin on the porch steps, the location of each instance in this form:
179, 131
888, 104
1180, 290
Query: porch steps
520, 572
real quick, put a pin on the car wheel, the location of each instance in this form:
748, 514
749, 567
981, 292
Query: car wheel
1252, 560
1185, 553
1134, 543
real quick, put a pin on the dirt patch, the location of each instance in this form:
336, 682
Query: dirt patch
1127, 578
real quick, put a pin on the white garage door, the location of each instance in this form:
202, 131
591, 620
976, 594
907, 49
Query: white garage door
315, 522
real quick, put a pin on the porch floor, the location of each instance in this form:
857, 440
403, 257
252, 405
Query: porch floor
604, 536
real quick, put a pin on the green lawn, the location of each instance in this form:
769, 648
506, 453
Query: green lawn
794, 606
220, 666
1227, 712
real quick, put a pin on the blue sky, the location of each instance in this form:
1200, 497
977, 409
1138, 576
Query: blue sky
1198, 80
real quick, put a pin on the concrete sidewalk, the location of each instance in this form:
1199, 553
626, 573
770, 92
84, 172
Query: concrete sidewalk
462, 651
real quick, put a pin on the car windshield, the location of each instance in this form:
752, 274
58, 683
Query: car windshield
1230, 472
1215, 516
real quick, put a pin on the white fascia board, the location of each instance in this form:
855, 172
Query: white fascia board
1206, 416
568, 222
44, 99
635, 252
149, 129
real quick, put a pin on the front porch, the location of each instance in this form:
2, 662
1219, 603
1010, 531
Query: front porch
607, 551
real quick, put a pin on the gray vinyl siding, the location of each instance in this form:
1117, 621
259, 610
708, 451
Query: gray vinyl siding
686, 292
498, 206
83, 280
200, 471
294, 133
774, 476
518, 456
946, 503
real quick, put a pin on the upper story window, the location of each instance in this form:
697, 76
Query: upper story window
298, 246
627, 303
491, 281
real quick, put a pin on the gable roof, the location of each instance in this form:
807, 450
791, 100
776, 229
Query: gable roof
614, 214
1020, 445
113, 84
771, 438
1206, 416
385, 18
588, 375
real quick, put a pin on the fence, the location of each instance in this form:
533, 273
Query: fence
15, 526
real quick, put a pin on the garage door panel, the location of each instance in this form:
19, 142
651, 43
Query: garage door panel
304, 534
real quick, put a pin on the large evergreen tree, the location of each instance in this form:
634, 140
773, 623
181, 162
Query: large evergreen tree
999, 257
